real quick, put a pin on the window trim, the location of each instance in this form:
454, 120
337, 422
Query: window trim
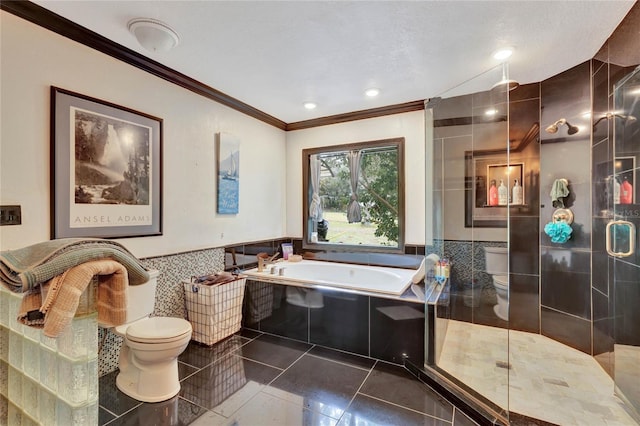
306, 153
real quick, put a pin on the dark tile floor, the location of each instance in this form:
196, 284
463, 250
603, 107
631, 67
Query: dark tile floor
253, 379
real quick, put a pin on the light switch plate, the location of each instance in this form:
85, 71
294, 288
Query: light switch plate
10, 215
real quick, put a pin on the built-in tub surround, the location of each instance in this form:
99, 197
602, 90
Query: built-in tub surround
385, 326
318, 274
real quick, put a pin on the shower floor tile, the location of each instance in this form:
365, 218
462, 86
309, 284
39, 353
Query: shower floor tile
546, 379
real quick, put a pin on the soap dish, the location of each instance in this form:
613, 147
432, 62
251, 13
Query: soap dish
294, 258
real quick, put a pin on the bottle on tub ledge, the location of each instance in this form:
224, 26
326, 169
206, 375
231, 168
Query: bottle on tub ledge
503, 194
516, 193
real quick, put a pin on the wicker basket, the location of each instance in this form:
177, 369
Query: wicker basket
214, 311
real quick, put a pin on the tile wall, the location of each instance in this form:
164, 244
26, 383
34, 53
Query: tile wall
375, 327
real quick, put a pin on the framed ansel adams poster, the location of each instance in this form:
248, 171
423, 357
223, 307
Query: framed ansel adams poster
106, 166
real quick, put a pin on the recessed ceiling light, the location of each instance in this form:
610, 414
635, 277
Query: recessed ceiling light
373, 92
502, 54
491, 112
310, 105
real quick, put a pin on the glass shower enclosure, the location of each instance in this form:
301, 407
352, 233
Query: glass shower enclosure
474, 183
622, 241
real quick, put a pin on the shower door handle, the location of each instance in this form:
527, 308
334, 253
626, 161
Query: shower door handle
620, 224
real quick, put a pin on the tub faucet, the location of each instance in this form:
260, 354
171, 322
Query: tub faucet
263, 261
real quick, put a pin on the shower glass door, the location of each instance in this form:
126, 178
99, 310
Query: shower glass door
623, 241
468, 156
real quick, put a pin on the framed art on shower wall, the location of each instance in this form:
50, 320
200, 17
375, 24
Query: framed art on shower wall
228, 174
106, 166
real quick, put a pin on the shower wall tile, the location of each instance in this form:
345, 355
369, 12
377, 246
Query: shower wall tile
454, 107
616, 73
599, 256
523, 116
524, 249
567, 329
524, 302
600, 101
565, 260
454, 161
627, 293
525, 91
568, 292
566, 95
602, 185
602, 324
488, 136
566, 280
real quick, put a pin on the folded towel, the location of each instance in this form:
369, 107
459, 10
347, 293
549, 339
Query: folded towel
62, 295
23, 268
559, 190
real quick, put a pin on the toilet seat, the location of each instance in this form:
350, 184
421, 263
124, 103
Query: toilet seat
157, 330
501, 280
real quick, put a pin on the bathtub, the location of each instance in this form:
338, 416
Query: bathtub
316, 274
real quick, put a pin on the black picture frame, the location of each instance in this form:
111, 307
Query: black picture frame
106, 169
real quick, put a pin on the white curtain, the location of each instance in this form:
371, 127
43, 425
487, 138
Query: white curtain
315, 208
353, 208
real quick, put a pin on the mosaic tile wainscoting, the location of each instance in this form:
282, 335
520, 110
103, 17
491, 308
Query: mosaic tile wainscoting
174, 269
472, 292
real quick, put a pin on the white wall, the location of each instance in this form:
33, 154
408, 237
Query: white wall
33, 59
409, 125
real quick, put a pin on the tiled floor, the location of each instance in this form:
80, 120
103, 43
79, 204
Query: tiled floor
532, 375
256, 379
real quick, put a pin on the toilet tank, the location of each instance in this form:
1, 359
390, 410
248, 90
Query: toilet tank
141, 299
497, 260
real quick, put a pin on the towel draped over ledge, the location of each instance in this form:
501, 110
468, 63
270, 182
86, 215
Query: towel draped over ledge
63, 295
23, 268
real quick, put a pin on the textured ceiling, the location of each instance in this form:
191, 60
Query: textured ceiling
276, 55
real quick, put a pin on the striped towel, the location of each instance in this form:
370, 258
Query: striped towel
62, 295
24, 268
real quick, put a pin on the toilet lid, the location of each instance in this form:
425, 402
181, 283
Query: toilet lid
501, 280
159, 330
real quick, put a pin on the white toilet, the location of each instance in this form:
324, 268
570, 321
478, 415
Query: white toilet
497, 263
149, 355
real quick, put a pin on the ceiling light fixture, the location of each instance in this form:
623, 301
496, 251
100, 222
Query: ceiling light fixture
372, 93
503, 54
310, 105
153, 35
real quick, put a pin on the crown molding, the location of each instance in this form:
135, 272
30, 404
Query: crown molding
358, 115
45, 18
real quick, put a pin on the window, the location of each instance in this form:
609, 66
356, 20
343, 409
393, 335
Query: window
354, 196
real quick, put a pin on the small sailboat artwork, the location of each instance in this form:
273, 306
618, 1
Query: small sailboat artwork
232, 172
228, 173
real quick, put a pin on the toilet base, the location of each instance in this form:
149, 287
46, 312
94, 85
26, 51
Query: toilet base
150, 386
502, 311
147, 382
